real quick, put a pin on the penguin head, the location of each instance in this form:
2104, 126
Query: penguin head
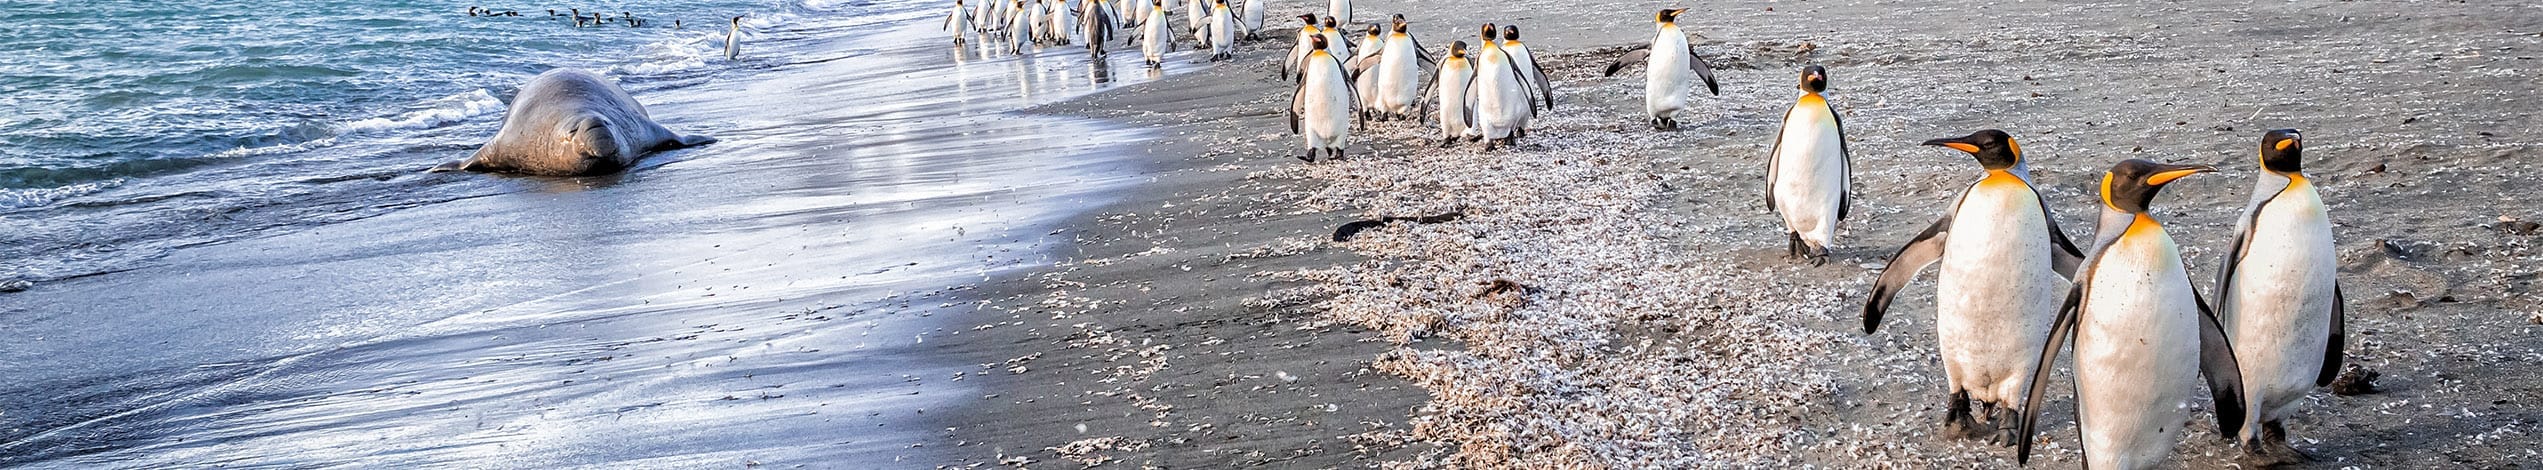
1374, 31
1316, 42
1310, 18
1399, 25
1490, 32
1510, 33
1993, 148
737, 21
1457, 50
1331, 25
1814, 79
2282, 151
2131, 185
1668, 16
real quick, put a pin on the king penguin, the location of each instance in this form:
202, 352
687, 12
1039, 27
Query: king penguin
1157, 37
2142, 334
958, 21
2280, 299
2005, 265
1809, 173
1666, 84
1340, 10
1448, 87
1320, 108
1399, 72
733, 40
1335, 41
1501, 99
1221, 31
1364, 83
1535, 76
1253, 18
1298, 51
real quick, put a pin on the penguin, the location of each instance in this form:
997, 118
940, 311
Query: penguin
1298, 52
1198, 15
472, 11
958, 21
1399, 72
1809, 173
1158, 39
2142, 335
1535, 76
1320, 108
1448, 88
1363, 82
675, 24
1019, 27
1096, 25
2004, 271
1666, 84
1062, 15
1500, 94
551, 13
1253, 18
733, 41
1221, 31
1339, 10
2278, 294
1336, 42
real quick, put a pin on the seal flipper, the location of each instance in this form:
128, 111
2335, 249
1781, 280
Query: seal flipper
692, 140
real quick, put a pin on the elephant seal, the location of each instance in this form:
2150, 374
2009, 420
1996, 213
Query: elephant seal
569, 122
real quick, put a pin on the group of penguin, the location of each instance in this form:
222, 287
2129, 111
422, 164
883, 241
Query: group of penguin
595, 19
2012, 289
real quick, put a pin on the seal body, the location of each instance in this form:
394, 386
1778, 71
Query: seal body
569, 122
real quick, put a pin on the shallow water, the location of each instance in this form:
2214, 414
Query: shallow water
761, 299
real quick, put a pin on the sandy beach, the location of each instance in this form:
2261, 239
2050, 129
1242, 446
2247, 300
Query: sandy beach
1656, 325
1045, 262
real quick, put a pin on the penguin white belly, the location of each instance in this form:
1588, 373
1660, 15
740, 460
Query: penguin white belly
2281, 313
1498, 99
1519, 55
1154, 45
1328, 106
1399, 76
1340, 10
1452, 101
1222, 32
1665, 85
1333, 43
2136, 353
1810, 173
1253, 16
1364, 86
1996, 292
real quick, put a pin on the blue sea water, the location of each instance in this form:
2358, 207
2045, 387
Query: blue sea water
130, 127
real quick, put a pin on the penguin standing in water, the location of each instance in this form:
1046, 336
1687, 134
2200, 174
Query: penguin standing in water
1158, 39
1667, 83
1019, 26
1399, 72
1448, 86
733, 40
2280, 299
1097, 24
2005, 266
2142, 334
1298, 52
958, 21
1500, 95
1320, 108
1221, 31
1809, 173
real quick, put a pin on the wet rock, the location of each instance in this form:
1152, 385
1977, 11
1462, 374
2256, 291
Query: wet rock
2355, 380
16, 285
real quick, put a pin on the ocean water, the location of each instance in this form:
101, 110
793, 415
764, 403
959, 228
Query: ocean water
132, 127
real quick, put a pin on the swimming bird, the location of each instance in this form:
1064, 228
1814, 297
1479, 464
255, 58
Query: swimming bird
1666, 83
2142, 334
1320, 107
2278, 293
2004, 270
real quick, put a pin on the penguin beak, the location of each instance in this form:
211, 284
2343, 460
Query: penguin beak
2290, 142
1955, 144
2174, 172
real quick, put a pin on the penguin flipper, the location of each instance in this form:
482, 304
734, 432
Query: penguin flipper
2334, 349
2224, 376
2059, 331
1696, 62
1294, 100
1635, 56
1911, 259
1774, 164
1543, 86
2064, 257
1845, 193
1523, 82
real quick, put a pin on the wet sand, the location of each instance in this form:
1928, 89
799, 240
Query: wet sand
1656, 326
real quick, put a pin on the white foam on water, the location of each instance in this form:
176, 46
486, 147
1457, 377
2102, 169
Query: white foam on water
33, 197
436, 113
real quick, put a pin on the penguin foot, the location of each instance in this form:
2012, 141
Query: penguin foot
1310, 157
2270, 449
